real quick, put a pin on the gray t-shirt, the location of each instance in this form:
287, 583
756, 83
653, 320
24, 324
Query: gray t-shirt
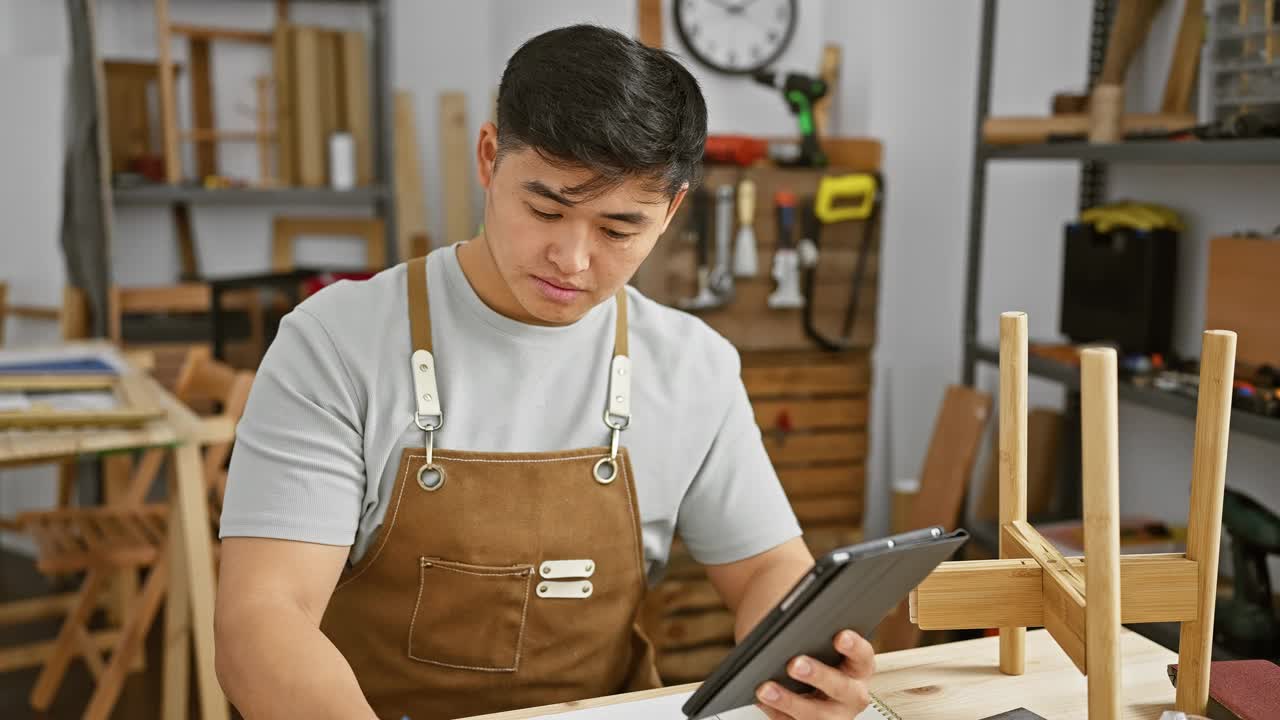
332, 407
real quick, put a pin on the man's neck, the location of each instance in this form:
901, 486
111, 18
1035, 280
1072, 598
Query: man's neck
481, 272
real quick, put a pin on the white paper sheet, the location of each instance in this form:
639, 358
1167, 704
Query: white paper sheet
668, 708
13, 402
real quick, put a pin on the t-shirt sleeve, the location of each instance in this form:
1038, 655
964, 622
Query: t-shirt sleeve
735, 508
297, 467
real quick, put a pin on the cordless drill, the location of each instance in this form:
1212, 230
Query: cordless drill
800, 92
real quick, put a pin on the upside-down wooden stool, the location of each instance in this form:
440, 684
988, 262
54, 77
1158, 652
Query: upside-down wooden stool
1083, 601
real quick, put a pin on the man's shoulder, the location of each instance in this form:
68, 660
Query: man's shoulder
358, 315
682, 344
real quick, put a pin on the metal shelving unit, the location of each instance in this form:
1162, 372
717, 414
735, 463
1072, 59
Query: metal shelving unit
159, 194
1095, 158
380, 196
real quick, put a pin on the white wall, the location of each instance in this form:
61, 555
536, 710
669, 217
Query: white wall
908, 78
33, 83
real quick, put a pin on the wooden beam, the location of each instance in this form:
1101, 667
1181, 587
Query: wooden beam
649, 22
207, 136
1186, 58
1013, 461
168, 98
31, 655
455, 171
829, 71
207, 33
981, 594
1204, 520
202, 108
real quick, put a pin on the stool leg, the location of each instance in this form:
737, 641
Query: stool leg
1101, 464
64, 647
1013, 460
135, 629
1204, 518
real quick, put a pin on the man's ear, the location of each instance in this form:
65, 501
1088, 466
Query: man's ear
675, 205
486, 154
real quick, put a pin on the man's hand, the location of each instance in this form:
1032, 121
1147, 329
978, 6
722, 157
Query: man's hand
841, 691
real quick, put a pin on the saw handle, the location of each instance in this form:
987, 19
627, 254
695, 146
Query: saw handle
786, 204
832, 189
746, 201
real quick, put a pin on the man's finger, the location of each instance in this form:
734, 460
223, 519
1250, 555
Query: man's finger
791, 705
833, 683
860, 657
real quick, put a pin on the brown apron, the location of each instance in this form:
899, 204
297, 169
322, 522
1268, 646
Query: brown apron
498, 580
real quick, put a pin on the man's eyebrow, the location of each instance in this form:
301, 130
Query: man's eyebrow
633, 218
537, 187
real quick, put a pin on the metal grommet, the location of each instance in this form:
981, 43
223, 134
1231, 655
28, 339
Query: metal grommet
603, 465
431, 477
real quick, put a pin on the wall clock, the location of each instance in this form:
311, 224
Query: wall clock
737, 37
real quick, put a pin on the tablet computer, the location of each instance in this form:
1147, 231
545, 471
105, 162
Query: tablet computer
852, 587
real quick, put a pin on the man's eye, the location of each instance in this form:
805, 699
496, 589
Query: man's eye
617, 235
544, 215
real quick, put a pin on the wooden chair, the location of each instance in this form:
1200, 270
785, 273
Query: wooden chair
180, 299
944, 480
102, 541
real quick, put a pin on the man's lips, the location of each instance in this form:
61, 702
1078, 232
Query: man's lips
559, 285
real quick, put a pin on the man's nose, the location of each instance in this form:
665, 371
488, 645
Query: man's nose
570, 252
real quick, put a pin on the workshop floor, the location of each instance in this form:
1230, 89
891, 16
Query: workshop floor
141, 696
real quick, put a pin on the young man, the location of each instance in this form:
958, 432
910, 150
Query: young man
453, 480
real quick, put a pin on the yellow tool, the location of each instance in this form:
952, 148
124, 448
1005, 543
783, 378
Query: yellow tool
832, 190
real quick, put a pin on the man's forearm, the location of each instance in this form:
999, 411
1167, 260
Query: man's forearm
278, 664
766, 589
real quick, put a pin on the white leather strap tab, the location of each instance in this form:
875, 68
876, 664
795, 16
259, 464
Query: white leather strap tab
565, 589
620, 388
426, 395
560, 569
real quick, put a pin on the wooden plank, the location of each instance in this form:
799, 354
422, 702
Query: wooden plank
832, 510
202, 106
821, 414
192, 509
330, 100
177, 638
411, 200
948, 464
821, 481
980, 594
1204, 517
307, 90
1128, 30
262, 129
282, 72
1062, 587
815, 447
807, 380
205, 136
286, 230
12, 383
455, 167
1013, 460
205, 33
1100, 443
168, 97
649, 22
829, 71
1186, 58
354, 116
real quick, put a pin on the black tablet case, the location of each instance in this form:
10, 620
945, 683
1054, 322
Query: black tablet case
858, 596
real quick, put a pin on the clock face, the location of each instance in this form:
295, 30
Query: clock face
735, 36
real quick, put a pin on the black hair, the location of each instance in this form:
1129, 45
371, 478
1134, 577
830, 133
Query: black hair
587, 96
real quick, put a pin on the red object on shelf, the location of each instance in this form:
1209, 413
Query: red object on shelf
740, 150
313, 285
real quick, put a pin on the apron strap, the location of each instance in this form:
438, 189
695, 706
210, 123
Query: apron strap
419, 312
620, 327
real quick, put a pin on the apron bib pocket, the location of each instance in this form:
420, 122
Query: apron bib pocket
470, 617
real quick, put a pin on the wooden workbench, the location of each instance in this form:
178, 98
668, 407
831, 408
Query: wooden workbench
961, 681
191, 556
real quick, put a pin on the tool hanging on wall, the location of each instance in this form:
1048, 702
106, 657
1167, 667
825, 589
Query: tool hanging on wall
721, 278
786, 262
830, 207
744, 252
700, 227
800, 92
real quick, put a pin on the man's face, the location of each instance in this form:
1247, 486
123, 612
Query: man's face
562, 255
